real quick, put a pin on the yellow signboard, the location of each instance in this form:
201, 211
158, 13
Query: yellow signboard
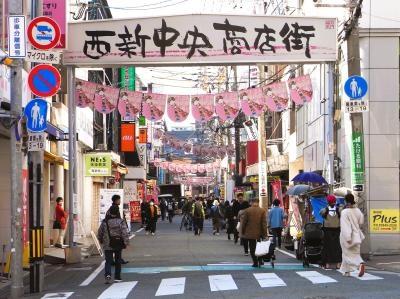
384, 220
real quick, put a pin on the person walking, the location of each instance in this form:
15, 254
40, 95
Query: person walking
237, 205
230, 222
331, 251
198, 217
163, 208
113, 236
60, 222
152, 216
275, 222
216, 216
143, 213
351, 237
244, 242
171, 210
254, 227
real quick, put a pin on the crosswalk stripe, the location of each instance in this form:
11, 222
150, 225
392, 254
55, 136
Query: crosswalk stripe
221, 283
366, 276
269, 280
171, 286
118, 290
59, 295
316, 277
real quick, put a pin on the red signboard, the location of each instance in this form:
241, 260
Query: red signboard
142, 135
135, 211
127, 137
252, 152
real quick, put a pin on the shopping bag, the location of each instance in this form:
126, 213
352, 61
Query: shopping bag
262, 248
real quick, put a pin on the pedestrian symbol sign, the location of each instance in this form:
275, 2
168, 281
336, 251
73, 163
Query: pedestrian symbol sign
36, 114
356, 87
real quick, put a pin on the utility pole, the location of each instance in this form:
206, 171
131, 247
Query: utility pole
357, 130
17, 286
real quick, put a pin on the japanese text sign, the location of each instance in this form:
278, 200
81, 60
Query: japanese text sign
98, 164
142, 135
128, 137
56, 9
384, 220
357, 159
202, 39
16, 37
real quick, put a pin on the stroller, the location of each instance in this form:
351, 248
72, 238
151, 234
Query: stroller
313, 243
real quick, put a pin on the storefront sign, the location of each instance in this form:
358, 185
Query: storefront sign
130, 190
128, 78
384, 221
106, 202
98, 164
16, 37
84, 126
42, 56
134, 206
128, 137
202, 39
143, 136
357, 159
56, 9
142, 152
262, 173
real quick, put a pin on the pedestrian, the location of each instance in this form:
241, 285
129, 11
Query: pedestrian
351, 237
152, 216
171, 209
243, 241
230, 222
237, 206
254, 227
143, 213
198, 217
216, 216
113, 236
163, 208
60, 222
331, 251
275, 222
116, 201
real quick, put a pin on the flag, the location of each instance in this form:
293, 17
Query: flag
227, 105
178, 107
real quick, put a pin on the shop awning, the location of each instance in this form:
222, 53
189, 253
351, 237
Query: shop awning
119, 167
53, 158
55, 132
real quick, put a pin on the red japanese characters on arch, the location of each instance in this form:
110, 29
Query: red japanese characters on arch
252, 101
300, 89
129, 103
153, 106
105, 99
276, 96
84, 93
227, 105
202, 107
178, 107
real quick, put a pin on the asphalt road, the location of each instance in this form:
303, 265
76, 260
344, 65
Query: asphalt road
176, 264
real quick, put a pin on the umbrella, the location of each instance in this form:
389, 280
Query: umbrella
298, 189
309, 177
342, 191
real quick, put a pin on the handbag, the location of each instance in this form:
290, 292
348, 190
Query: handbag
238, 226
116, 242
262, 248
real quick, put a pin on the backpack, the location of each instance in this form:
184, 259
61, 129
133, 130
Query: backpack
197, 210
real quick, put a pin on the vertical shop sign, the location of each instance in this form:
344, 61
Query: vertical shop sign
357, 162
128, 78
262, 170
127, 137
16, 37
143, 136
277, 190
135, 211
56, 9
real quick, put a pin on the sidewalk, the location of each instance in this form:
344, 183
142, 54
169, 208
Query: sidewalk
385, 262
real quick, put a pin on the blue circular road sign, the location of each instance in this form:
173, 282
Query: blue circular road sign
355, 87
36, 114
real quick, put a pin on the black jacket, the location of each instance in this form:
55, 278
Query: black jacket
148, 214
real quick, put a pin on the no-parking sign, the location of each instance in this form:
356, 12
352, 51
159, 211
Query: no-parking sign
43, 33
44, 80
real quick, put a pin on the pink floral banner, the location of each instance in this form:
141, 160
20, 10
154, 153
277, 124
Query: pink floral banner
153, 106
300, 89
202, 107
178, 107
227, 105
84, 93
106, 98
129, 103
252, 101
276, 96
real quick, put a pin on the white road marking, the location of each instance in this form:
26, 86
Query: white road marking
58, 295
171, 286
93, 275
79, 269
285, 252
221, 283
316, 277
139, 230
119, 290
366, 276
388, 263
269, 280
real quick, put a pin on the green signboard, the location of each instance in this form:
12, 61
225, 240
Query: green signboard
98, 164
357, 159
142, 121
128, 77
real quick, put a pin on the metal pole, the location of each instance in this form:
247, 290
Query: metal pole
17, 286
331, 88
71, 152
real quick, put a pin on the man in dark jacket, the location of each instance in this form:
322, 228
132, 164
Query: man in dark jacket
143, 210
198, 217
254, 227
152, 216
237, 205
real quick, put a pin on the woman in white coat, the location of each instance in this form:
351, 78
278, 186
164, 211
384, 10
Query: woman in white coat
351, 236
